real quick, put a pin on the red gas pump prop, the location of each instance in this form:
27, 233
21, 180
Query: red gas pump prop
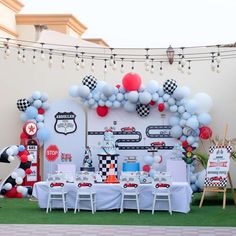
32, 146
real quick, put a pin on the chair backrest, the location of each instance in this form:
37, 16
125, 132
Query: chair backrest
69, 171
84, 180
129, 181
162, 180
56, 182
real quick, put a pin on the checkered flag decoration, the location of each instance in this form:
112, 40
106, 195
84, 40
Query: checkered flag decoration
90, 81
212, 148
22, 104
169, 86
209, 183
143, 110
104, 165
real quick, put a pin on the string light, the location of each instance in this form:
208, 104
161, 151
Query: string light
63, 64
42, 56
34, 60
7, 49
183, 61
105, 66
161, 69
23, 60
218, 59
152, 67
122, 68
76, 60
213, 66
50, 61
111, 57
114, 62
132, 67
189, 67
147, 61
77, 67
92, 64
179, 64
82, 64
218, 68
19, 57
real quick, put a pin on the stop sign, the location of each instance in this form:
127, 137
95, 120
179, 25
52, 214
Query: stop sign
52, 152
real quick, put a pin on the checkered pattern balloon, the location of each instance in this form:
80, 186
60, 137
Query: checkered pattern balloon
22, 104
169, 86
90, 81
143, 110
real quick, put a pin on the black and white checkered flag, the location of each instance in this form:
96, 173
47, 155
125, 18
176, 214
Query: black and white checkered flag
169, 86
143, 110
90, 81
22, 104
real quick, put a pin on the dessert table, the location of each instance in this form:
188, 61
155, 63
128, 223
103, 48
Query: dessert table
108, 197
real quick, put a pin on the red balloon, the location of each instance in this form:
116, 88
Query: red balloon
24, 135
205, 132
11, 193
24, 158
152, 103
19, 195
102, 111
25, 152
161, 107
131, 81
118, 86
185, 144
41, 111
28, 171
146, 168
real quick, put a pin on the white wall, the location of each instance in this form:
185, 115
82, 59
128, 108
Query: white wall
19, 80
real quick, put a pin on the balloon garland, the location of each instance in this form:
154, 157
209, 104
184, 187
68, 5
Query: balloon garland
190, 118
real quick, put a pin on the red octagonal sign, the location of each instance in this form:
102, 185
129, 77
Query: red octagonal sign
52, 152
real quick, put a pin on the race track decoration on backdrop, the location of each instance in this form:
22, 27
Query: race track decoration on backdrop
190, 116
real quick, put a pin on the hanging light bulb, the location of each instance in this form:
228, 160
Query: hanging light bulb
77, 67
34, 57
63, 64
76, 60
105, 66
218, 58
182, 69
23, 60
92, 64
183, 61
122, 68
50, 61
152, 67
147, 61
218, 68
189, 68
42, 55
179, 66
7, 49
82, 64
114, 66
111, 58
19, 57
213, 65
161, 69
132, 67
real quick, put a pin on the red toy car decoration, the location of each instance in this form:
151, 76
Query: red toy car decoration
216, 178
162, 185
158, 144
128, 129
84, 185
56, 185
130, 185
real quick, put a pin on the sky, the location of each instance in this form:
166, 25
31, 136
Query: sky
149, 23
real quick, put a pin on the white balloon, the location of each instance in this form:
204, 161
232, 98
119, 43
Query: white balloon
14, 175
30, 158
10, 151
11, 158
201, 179
20, 189
20, 172
15, 150
7, 186
19, 180
204, 102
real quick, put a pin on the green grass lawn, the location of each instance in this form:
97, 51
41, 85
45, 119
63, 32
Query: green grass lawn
23, 211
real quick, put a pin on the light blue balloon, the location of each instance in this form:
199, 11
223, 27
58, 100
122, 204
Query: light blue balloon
112, 98
193, 123
142, 88
173, 108
120, 97
181, 109
161, 92
43, 134
96, 96
166, 105
40, 118
45, 105
171, 101
94, 106
176, 131
145, 97
116, 104
108, 90
182, 122
23, 117
166, 97
201, 179
21, 148
73, 91
174, 120
40, 125
148, 160
193, 178
122, 90
36, 95
30, 100
196, 145
186, 115
116, 90
155, 97
83, 91
152, 86
37, 103
181, 92
160, 100
91, 101
183, 138
44, 97
191, 106
204, 118
100, 85
194, 188
133, 96
152, 173
108, 103
31, 112
103, 97
190, 140
130, 107
101, 103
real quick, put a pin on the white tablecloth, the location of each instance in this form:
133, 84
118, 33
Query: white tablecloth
108, 197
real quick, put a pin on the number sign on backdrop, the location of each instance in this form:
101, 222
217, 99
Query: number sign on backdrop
66, 122
218, 166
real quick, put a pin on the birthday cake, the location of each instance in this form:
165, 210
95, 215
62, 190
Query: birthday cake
108, 145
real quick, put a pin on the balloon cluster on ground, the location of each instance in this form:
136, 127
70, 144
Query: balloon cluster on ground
190, 117
197, 179
33, 110
12, 186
